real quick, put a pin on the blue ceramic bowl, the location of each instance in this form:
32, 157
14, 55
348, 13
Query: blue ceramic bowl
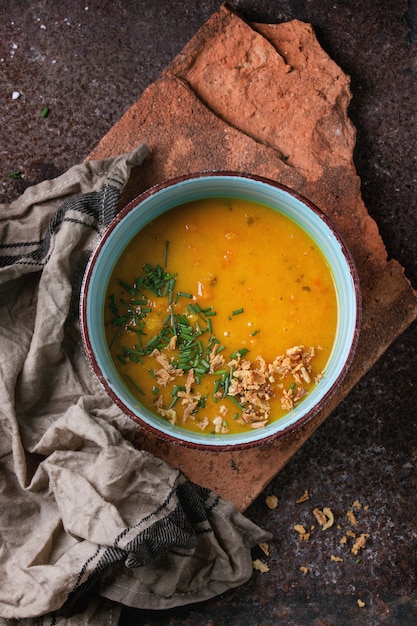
162, 198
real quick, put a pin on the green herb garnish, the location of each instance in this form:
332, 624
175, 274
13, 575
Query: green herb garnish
17, 175
135, 385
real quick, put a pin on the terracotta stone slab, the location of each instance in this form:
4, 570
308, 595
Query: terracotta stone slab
265, 99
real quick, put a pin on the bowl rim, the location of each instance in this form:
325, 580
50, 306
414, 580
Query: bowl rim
220, 445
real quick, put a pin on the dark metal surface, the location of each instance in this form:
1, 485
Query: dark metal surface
87, 62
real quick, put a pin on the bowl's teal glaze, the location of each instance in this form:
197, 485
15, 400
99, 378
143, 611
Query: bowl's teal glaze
166, 196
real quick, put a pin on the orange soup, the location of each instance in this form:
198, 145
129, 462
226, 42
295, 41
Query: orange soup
220, 315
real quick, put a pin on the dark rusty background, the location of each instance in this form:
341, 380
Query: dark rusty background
87, 62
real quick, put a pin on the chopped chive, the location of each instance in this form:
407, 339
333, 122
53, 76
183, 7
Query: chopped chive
127, 287
132, 382
152, 343
173, 320
119, 321
173, 403
219, 372
140, 302
45, 112
115, 336
152, 289
237, 311
17, 175
236, 416
134, 351
233, 399
171, 290
166, 253
184, 294
255, 332
155, 390
209, 313
186, 333
240, 352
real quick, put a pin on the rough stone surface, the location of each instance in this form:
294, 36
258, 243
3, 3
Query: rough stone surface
265, 99
89, 62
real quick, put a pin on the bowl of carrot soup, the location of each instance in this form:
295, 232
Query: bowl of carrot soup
220, 310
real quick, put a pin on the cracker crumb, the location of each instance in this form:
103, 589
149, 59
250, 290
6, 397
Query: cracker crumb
330, 518
350, 533
271, 501
304, 497
320, 516
351, 517
203, 423
265, 548
167, 372
337, 559
343, 539
220, 425
325, 517
357, 505
260, 566
304, 569
302, 533
359, 543
300, 529
251, 383
216, 360
170, 415
361, 603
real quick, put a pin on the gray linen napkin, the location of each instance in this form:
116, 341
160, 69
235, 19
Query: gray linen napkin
83, 513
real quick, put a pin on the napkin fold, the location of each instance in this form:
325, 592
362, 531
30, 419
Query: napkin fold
87, 521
